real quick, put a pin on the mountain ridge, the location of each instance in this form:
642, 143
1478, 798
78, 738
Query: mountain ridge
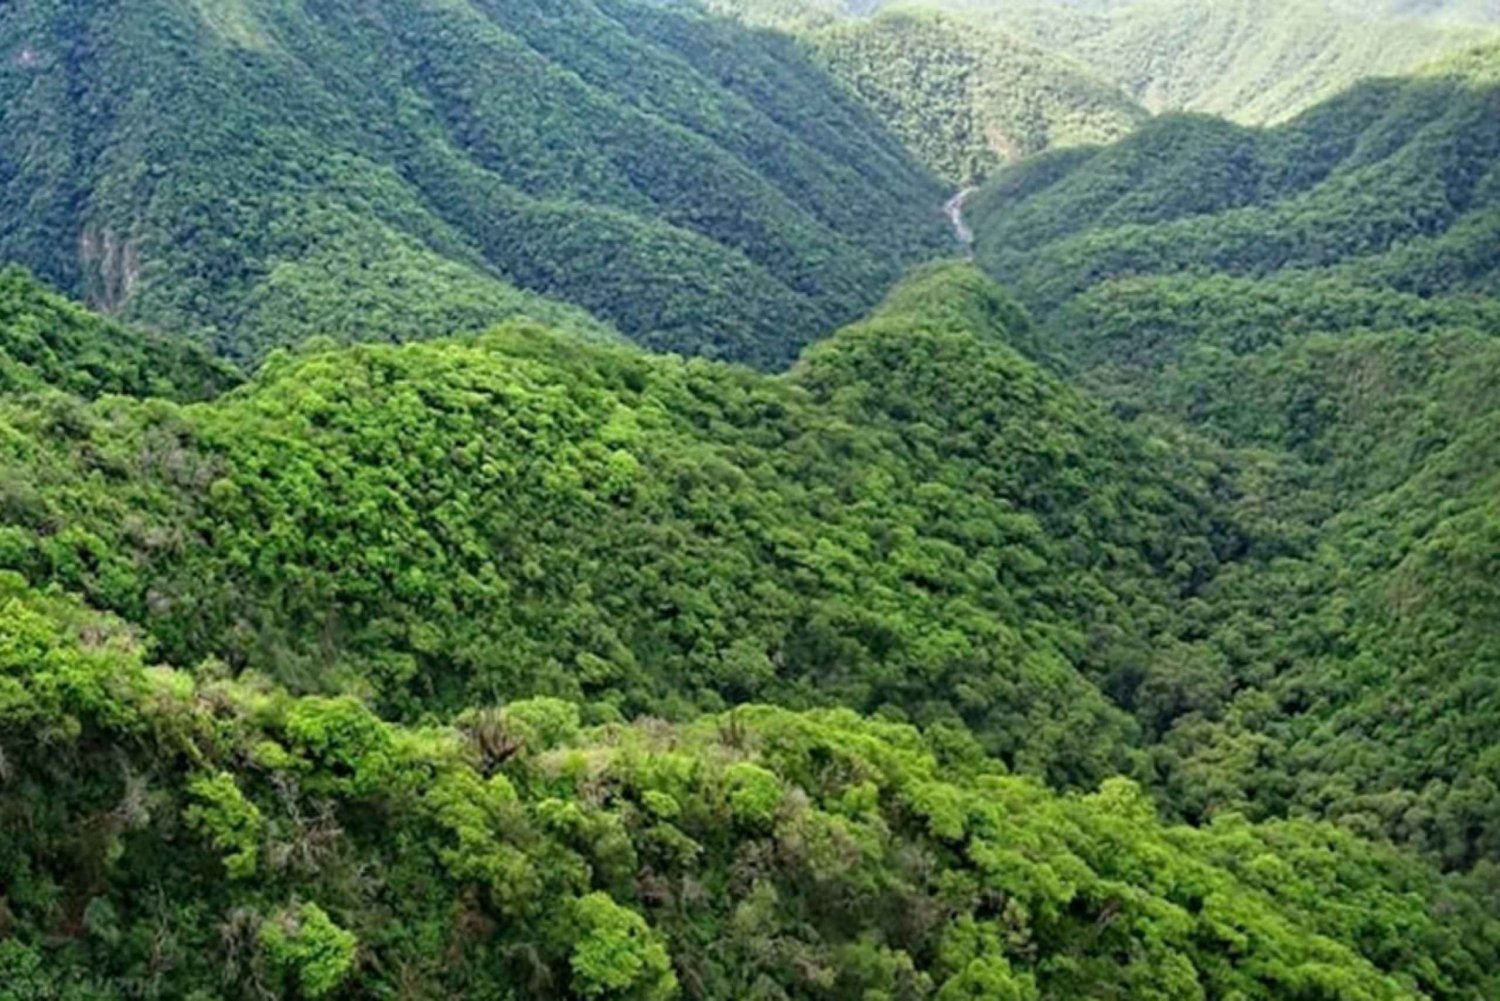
607, 581
237, 176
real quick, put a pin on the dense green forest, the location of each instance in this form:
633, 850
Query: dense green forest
412, 595
186, 835
1252, 61
253, 172
1320, 300
527, 510
1390, 189
1070, 68
50, 342
965, 98
916, 519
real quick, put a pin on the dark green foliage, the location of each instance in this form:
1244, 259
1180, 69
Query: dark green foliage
756, 853
253, 172
47, 341
1391, 176
1362, 646
1170, 343
1391, 186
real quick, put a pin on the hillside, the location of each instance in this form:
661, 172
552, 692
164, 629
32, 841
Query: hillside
1251, 61
530, 513
198, 835
466, 639
1319, 299
1389, 188
251, 173
967, 101
965, 98
1380, 623
1258, 61
51, 342
916, 519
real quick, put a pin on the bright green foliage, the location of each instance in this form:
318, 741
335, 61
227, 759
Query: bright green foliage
754, 794
543, 722
474, 813
255, 172
229, 820
303, 944
916, 520
617, 956
342, 738
987, 979
415, 594
845, 891
48, 695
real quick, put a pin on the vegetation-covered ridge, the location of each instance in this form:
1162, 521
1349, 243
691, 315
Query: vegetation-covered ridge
963, 96
916, 519
1391, 191
185, 835
255, 172
49, 341
1319, 298
1252, 61
1134, 636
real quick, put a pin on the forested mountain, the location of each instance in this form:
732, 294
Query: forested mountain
1253, 61
1379, 208
1115, 615
255, 171
198, 837
50, 342
1319, 297
964, 97
915, 520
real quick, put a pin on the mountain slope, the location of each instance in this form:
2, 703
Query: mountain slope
916, 518
1253, 61
255, 172
1380, 625
50, 342
197, 835
1320, 300
965, 98
1392, 186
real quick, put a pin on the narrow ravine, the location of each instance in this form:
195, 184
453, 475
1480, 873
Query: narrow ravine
954, 210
